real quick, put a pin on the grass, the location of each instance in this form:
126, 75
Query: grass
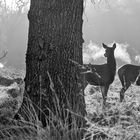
119, 121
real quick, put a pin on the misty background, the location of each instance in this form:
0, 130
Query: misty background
105, 21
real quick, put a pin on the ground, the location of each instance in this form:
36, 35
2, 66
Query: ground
119, 120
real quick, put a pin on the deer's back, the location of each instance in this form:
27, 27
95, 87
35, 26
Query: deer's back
129, 72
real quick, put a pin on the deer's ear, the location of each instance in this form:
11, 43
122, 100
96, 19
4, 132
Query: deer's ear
114, 45
104, 46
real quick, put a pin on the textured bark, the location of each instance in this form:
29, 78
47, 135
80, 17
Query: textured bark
55, 37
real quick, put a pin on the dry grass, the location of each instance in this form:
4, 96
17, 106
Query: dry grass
120, 121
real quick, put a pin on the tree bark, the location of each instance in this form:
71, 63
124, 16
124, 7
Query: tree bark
52, 81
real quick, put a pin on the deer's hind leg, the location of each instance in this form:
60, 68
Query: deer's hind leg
124, 88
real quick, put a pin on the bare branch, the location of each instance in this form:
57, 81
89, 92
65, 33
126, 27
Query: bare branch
21, 4
4, 54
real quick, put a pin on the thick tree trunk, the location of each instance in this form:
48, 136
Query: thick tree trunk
52, 81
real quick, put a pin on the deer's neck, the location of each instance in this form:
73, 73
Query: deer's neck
111, 62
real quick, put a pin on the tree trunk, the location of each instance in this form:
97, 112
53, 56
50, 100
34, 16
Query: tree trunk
52, 81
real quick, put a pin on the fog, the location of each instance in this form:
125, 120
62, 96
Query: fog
105, 22
13, 33
114, 21
93, 53
17, 43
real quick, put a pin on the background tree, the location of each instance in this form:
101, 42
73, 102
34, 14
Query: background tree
13, 32
52, 81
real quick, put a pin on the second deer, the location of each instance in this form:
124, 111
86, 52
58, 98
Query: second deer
102, 75
128, 74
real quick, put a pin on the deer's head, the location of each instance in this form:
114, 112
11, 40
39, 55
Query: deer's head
109, 50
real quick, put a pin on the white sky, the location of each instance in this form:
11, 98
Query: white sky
9, 2
117, 20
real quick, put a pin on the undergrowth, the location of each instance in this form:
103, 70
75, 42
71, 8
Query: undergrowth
119, 121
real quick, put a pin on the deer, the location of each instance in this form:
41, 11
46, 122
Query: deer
102, 75
128, 74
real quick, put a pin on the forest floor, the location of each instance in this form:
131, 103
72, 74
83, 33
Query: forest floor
119, 121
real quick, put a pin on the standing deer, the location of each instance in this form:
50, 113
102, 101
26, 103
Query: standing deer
102, 75
128, 74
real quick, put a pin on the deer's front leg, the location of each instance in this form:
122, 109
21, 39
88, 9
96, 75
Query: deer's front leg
104, 90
